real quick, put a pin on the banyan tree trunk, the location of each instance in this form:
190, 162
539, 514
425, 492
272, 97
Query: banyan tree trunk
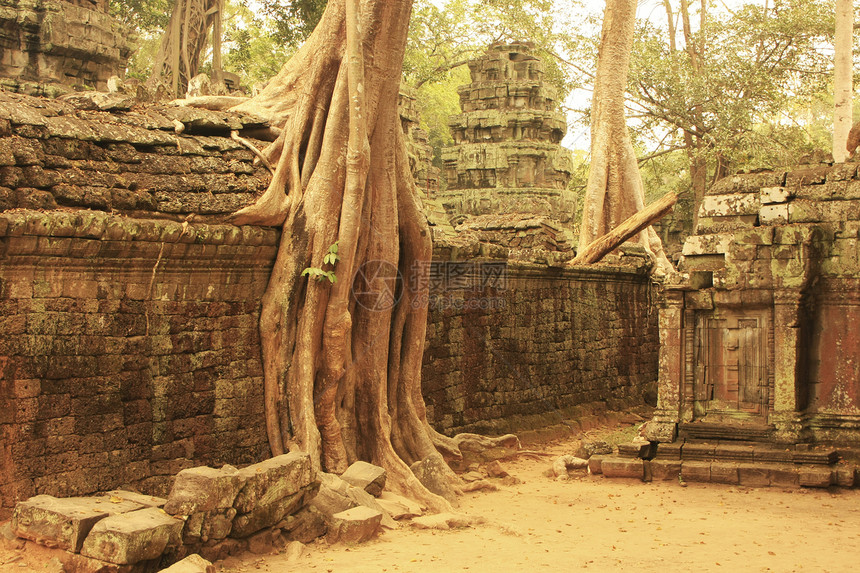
615, 191
342, 360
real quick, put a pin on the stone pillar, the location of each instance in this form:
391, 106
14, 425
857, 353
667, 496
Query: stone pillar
663, 427
787, 364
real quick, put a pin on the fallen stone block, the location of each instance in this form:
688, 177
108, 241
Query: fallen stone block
595, 464
203, 489
442, 521
191, 564
354, 525
265, 516
398, 507
495, 470
616, 467
139, 498
204, 526
366, 476
305, 526
276, 478
815, 476
218, 550
846, 477
129, 538
62, 522
593, 447
336, 495
294, 551
266, 542
482, 449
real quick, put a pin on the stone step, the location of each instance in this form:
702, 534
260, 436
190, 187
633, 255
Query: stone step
750, 474
744, 452
712, 431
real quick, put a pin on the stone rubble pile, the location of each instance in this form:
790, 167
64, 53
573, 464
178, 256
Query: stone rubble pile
210, 512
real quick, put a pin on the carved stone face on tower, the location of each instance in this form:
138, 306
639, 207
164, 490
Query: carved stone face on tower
507, 156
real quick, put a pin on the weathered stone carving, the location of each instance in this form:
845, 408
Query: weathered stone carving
760, 341
507, 155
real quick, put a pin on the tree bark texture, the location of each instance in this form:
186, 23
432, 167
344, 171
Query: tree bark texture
342, 361
615, 190
843, 70
632, 226
178, 57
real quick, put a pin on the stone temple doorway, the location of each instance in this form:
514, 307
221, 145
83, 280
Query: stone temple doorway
732, 379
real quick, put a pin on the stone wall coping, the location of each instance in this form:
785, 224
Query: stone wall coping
90, 224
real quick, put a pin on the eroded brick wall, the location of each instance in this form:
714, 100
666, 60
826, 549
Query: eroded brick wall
129, 350
545, 346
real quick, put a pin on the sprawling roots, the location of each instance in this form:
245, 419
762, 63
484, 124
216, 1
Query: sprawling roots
342, 360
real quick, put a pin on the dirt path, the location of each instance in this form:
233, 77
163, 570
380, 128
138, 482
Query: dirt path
594, 523
597, 524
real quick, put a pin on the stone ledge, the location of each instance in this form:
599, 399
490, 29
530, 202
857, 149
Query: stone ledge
105, 226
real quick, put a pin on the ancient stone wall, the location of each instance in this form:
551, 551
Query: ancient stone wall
129, 344
537, 348
56, 42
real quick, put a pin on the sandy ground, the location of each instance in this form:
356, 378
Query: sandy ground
594, 523
598, 524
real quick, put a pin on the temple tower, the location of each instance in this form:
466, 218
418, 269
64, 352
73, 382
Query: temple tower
54, 42
507, 156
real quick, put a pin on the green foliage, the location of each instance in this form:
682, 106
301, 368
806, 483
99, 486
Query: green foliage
330, 258
749, 103
254, 47
292, 21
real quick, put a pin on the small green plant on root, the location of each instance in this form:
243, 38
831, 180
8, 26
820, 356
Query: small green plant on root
330, 258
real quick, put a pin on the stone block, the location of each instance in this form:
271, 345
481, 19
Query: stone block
443, 521
846, 477
724, 472
139, 498
613, 466
354, 525
783, 475
305, 526
366, 476
706, 245
696, 471
769, 195
595, 464
811, 476
753, 475
263, 516
58, 522
129, 538
398, 507
665, 470
192, 564
728, 205
203, 489
774, 214
266, 482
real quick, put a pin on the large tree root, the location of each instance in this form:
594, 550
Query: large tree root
342, 361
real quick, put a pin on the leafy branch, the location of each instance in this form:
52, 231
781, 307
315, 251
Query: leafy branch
330, 258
